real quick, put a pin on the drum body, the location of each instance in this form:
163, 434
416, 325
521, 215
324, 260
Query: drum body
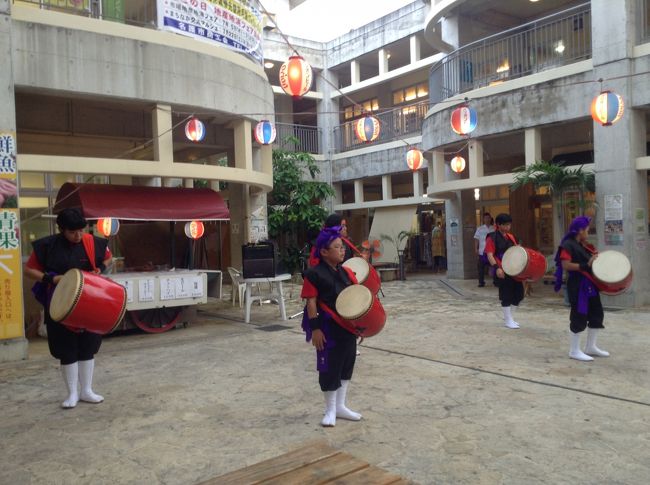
365, 273
89, 302
612, 272
523, 264
361, 309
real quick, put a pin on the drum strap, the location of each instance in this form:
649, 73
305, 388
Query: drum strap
352, 246
89, 245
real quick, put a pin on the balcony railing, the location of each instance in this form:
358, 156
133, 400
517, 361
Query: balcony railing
396, 123
546, 43
298, 138
138, 12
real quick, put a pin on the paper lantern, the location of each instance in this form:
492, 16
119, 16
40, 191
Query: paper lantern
464, 120
458, 164
295, 76
194, 229
367, 129
607, 108
195, 130
265, 132
414, 159
108, 226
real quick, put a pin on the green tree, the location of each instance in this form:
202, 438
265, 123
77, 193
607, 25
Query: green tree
294, 204
558, 180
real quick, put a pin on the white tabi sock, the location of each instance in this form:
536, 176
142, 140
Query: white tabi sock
70, 374
341, 409
507, 318
329, 418
86, 369
575, 352
591, 348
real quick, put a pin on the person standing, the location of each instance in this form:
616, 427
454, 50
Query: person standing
480, 237
51, 258
576, 256
511, 291
437, 247
335, 345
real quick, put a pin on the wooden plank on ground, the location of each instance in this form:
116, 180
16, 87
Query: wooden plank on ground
371, 475
274, 467
320, 472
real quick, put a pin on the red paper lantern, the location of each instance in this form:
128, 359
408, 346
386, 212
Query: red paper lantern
195, 130
414, 159
458, 164
367, 129
194, 229
295, 76
607, 108
108, 226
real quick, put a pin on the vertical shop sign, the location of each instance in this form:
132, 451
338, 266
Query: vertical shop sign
614, 235
11, 292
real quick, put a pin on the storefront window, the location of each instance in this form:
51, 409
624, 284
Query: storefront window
29, 180
33, 224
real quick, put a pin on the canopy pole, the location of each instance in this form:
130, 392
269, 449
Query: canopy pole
172, 245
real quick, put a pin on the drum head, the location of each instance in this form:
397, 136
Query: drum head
515, 260
611, 267
359, 267
354, 302
66, 294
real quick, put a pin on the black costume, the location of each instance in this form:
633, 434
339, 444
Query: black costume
336, 361
55, 255
586, 308
511, 291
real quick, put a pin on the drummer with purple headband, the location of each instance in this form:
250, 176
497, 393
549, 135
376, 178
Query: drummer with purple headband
335, 346
576, 256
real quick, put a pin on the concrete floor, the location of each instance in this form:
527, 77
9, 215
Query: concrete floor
448, 396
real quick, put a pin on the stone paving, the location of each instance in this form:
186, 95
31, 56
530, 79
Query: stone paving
448, 395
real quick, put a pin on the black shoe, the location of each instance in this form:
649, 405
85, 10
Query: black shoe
481, 285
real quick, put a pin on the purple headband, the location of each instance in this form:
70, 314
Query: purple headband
326, 236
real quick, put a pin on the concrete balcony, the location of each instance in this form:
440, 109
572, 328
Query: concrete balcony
298, 138
550, 42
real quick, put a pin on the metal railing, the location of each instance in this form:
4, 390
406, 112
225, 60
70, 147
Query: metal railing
298, 138
643, 19
138, 12
398, 122
553, 41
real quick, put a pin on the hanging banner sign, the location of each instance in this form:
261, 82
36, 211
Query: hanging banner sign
236, 24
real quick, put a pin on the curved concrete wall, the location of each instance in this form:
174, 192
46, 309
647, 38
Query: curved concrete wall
72, 54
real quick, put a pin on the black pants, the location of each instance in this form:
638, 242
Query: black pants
68, 346
341, 359
593, 319
481, 265
511, 291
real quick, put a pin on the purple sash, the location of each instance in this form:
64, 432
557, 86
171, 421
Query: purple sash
322, 356
586, 290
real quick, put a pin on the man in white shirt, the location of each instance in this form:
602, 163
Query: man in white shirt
479, 246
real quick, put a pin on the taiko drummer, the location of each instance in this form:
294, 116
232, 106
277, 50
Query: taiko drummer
52, 256
336, 347
576, 256
511, 291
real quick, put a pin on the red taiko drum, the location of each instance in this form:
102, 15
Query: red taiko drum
612, 272
366, 275
361, 309
88, 301
524, 264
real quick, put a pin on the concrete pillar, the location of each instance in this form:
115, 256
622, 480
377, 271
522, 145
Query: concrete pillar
533, 144
386, 187
147, 181
283, 109
266, 154
617, 147
243, 144
338, 193
239, 201
188, 183
13, 344
358, 191
383, 61
475, 159
460, 214
327, 119
214, 185
437, 168
121, 180
163, 140
414, 48
450, 31
355, 72
258, 216
418, 184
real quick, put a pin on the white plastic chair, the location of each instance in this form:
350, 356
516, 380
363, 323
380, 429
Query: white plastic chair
238, 286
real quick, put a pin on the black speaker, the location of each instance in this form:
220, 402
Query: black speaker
258, 260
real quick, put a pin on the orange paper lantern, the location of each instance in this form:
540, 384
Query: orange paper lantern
458, 164
194, 229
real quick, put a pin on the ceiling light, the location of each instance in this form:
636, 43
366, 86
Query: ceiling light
268, 65
560, 47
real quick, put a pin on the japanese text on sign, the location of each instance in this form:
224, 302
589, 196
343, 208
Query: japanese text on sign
7, 155
235, 24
